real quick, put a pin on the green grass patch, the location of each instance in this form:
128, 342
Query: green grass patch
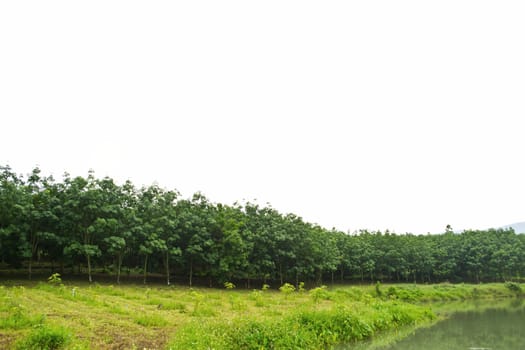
141, 317
16, 316
151, 320
302, 329
46, 338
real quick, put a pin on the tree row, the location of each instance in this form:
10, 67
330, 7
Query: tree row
92, 224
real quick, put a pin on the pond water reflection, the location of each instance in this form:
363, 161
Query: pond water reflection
494, 328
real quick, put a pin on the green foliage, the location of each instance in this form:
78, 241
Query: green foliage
311, 329
46, 338
54, 279
318, 294
409, 294
151, 320
199, 308
229, 285
18, 318
95, 225
514, 287
180, 307
379, 292
257, 296
287, 289
115, 315
236, 303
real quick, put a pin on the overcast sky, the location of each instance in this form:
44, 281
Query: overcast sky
400, 115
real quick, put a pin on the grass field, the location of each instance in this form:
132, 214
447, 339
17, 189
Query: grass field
81, 316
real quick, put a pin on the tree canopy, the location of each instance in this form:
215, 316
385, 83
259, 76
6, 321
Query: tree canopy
91, 224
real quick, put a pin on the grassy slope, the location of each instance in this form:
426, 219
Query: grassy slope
113, 317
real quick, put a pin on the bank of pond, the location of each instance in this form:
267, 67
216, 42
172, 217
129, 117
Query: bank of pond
58, 315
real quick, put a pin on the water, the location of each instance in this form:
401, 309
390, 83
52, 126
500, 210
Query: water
494, 328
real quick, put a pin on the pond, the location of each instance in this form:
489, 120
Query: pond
494, 327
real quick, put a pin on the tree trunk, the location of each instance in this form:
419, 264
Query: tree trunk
281, 273
30, 263
167, 268
34, 246
119, 264
89, 268
145, 268
191, 271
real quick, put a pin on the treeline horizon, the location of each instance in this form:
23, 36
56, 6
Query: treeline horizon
94, 224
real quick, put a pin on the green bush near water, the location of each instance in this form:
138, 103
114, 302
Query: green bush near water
514, 287
303, 329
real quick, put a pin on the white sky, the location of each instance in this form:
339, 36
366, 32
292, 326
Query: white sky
400, 115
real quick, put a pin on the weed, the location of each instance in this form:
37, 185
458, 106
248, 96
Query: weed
197, 300
318, 294
514, 287
175, 306
236, 303
229, 285
18, 318
151, 320
257, 296
54, 279
379, 292
287, 289
298, 330
46, 338
110, 315
204, 311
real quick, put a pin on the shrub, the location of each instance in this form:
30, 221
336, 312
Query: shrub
287, 289
257, 297
229, 285
318, 294
513, 287
46, 338
54, 279
379, 292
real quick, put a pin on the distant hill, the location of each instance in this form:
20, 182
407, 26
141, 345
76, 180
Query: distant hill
519, 227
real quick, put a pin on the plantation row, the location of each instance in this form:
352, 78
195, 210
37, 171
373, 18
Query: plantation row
97, 224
